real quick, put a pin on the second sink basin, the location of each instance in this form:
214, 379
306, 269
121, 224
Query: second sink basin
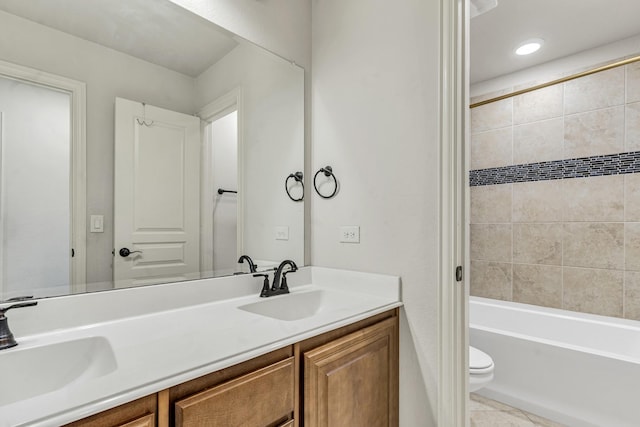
31, 371
294, 306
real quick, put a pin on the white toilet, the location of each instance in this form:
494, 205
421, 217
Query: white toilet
480, 369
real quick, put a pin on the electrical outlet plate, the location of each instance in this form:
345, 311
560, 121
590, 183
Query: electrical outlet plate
282, 232
350, 234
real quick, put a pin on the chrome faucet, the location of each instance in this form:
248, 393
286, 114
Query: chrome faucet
6, 337
252, 266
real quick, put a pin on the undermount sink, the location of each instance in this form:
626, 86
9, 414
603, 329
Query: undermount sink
293, 306
31, 371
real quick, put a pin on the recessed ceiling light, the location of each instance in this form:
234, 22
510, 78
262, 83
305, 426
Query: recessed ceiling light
529, 46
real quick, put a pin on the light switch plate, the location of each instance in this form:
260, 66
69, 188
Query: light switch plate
350, 234
282, 232
97, 224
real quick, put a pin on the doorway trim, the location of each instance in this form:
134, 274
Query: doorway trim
453, 311
223, 105
78, 180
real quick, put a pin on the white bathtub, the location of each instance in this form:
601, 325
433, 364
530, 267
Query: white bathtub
577, 369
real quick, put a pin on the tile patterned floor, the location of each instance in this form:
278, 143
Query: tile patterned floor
489, 413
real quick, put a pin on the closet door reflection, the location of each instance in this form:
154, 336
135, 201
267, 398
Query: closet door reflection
35, 192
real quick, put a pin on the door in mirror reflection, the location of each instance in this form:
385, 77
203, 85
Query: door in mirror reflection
35, 199
156, 195
222, 136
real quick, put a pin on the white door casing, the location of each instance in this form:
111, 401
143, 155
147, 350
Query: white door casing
156, 195
453, 364
233, 100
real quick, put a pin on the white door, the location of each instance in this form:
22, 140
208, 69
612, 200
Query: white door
156, 195
219, 231
35, 190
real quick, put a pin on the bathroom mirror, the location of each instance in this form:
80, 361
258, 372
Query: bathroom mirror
141, 144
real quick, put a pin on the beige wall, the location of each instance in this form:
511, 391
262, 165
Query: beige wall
570, 243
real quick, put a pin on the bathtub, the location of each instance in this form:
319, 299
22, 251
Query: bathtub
574, 368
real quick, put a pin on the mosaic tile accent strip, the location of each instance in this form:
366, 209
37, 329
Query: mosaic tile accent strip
611, 164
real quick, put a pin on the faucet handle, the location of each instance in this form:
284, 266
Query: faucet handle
283, 282
265, 284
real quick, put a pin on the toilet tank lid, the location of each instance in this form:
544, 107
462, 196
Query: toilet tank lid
479, 359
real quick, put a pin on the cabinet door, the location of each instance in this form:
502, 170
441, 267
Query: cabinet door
353, 381
258, 399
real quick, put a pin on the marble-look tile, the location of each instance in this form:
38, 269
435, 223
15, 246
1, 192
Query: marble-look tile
537, 244
593, 245
538, 105
632, 197
542, 422
491, 242
538, 285
492, 116
632, 127
481, 403
538, 141
594, 133
599, 90
632, 295
492, 149
593, 291
633, 82
500, 419
491, 280
491, 203
632, 246
597, 198
540, 201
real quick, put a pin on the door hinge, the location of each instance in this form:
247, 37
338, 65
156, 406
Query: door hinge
459, 273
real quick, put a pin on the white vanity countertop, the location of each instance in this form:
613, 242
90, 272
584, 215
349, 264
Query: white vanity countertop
165, 335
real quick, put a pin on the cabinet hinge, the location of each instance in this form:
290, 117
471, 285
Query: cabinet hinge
459, 273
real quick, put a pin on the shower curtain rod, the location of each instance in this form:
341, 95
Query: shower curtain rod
557, 81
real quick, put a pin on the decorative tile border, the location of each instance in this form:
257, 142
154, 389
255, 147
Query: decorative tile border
611, 164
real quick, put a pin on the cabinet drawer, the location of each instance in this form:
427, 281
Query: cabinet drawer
139, 413
260, 398
146, 421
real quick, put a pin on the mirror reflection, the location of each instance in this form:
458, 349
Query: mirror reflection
141, 144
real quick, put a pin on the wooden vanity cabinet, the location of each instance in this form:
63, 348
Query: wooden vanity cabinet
346, 377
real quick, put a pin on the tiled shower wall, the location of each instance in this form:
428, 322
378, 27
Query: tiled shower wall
555, 207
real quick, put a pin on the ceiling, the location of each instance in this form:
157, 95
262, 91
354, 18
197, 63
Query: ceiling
566, 26
156, 31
